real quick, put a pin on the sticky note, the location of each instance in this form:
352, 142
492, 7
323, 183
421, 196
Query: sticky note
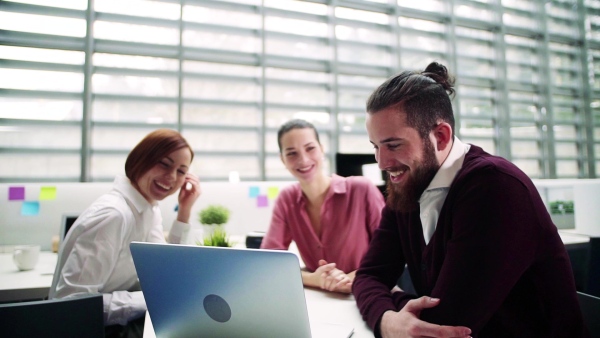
16, 193
254, 191
262, 201
30, 208
47, 193
272, 192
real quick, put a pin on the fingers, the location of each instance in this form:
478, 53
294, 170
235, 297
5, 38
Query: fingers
190, 187
332, 279
335, 280
423, 328
416, 305
325, 268
192, 183
432, 330
344, 285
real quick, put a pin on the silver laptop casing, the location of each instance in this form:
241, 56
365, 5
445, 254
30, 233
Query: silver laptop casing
262, 289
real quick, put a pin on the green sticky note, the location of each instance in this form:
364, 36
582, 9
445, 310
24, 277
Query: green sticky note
272, 192
47, 193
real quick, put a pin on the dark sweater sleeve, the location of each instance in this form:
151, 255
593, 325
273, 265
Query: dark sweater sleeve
495, 234
378, 273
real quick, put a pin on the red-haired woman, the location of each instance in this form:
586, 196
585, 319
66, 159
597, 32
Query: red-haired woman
95, 256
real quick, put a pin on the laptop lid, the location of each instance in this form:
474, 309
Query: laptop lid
221, 292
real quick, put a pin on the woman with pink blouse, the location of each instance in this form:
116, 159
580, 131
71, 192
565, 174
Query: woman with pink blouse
331, 219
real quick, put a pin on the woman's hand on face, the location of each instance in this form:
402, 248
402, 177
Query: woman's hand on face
190, 191
188, 194
333, 279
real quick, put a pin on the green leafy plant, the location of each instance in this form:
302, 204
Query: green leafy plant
218, 237
214, 214
213, 217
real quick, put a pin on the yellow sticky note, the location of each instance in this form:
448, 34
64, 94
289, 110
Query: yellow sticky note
272, 192
47, 193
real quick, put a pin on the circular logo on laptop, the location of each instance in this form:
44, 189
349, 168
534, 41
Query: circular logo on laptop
217, 308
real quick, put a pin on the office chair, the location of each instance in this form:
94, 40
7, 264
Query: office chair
67, 317
590, 308
593, 272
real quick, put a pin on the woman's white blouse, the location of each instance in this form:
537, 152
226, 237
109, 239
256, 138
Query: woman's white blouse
95, 256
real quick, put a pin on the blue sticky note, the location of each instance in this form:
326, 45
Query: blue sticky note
254, 191
30, 208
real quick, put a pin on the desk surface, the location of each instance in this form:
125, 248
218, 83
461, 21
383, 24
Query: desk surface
322, 306
572, 237
34, 284
18, 285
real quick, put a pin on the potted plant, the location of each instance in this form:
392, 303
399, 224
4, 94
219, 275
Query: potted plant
212, 218
218, 237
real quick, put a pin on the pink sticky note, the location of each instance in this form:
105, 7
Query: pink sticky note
262, 201
16, 193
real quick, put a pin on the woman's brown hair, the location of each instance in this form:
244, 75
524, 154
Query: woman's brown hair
154, 147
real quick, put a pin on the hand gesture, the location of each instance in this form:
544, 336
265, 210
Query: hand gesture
333, 279
406, 323
187, 197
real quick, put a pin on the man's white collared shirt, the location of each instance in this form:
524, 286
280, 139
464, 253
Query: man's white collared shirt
433, 197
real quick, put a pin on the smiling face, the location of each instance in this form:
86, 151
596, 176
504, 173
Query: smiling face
409, 160
165, 177
302, 154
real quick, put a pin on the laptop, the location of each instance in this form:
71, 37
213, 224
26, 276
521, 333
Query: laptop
197, 291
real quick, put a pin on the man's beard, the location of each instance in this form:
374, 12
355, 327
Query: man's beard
405, 197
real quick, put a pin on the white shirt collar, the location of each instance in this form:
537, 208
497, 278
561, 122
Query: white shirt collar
445, 175
124, 186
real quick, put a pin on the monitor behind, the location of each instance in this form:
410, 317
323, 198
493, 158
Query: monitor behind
352, 165
66, 223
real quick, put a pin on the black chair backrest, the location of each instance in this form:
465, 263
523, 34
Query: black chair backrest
590, 308
593, 281
68, 317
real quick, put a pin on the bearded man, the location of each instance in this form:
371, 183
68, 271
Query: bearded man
483, 254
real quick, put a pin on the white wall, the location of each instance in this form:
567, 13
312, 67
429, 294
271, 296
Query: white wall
246, 216
73, 198
585, 194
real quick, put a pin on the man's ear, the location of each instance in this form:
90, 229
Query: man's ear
443, 135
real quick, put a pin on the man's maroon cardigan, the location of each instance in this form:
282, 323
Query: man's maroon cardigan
495, 261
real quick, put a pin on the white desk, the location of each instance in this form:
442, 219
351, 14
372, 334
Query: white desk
338, 308
18, 285
571, 237
322, 306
